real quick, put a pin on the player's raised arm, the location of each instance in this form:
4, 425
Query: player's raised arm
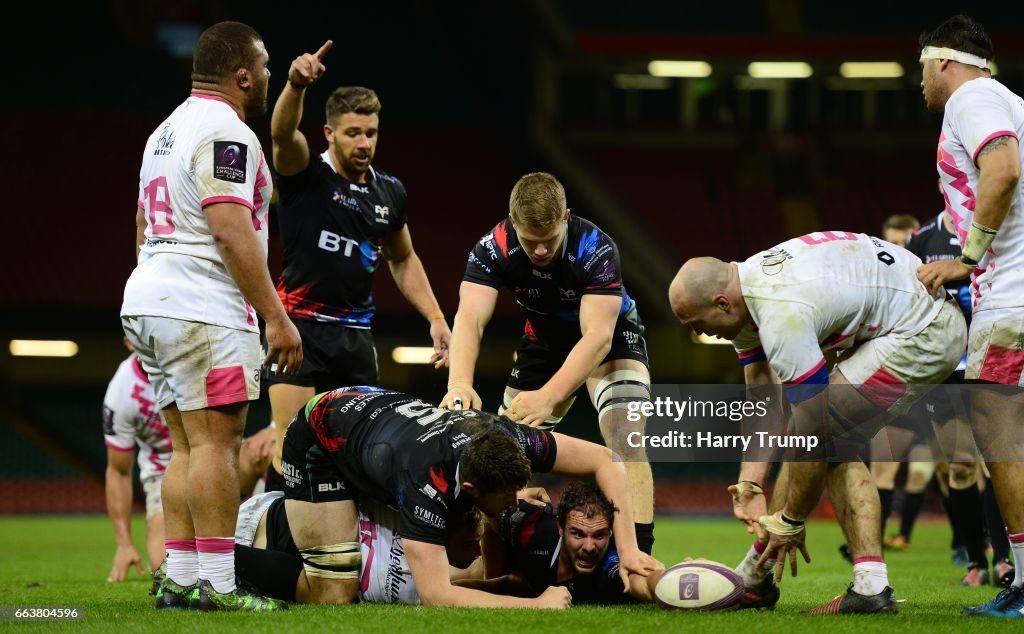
476, 306
291, 151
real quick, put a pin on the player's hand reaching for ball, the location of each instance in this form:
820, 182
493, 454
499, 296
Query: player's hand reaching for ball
308, 67
554, 598
441, 335
461, 395
748, 504
784, 538
636, 562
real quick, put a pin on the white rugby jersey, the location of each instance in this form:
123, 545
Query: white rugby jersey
828, 291
202, 154
384, 574
131, 418
978, 111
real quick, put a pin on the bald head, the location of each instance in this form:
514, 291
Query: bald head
705, 294
697, 283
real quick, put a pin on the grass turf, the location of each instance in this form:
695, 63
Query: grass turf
63, 561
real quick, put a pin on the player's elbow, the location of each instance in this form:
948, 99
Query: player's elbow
436, 596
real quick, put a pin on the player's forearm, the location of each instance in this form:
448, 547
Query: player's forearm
243, 256
611, 479
119, 504
586, 355
464, 349
507, 585
411, 279
806, 483
996, 188
754, 472
456, 596
284, 122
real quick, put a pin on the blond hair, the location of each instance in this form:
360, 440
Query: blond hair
537, 200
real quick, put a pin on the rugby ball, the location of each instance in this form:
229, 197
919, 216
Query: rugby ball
699, 584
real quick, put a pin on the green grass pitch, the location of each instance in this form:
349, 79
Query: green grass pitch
63, 561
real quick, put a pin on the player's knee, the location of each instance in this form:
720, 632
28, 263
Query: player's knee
962, 475
918, 476
331, 573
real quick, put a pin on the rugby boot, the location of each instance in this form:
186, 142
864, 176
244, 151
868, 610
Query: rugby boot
171, 596
851, 602
1008, 604
238, 600
763, 596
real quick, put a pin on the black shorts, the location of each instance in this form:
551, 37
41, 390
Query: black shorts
309, 472
943, 403
537, 361
333, 355
279, 533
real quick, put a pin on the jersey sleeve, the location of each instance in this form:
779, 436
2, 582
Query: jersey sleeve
226, 166
118, 427
487, 259
422, 518
980, 115
790, 344
401, 201
748, 346
539, 445
599, 259
298, 182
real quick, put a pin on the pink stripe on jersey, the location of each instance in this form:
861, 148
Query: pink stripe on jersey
213, 200
808, 374
225, 386
216, 545
751, 353
116, 448
187, 545
142, 205
257, 193
994, 135
139, 372
367, 537
883, 389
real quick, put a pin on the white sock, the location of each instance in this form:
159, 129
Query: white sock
1017, 546
217, 562
182, 563
749, 571
869, 577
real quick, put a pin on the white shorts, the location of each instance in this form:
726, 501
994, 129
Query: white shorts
250, 514
995, 350
151, 487
384, 574
893, 372
196, 365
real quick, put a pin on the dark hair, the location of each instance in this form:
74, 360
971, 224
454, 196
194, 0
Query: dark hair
222, 49
902, 222
493, 462
352, 99
961, 33
585, 497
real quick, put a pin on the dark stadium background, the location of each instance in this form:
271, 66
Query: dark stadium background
474, 94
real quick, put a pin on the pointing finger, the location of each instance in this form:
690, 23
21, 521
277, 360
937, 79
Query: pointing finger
323, 49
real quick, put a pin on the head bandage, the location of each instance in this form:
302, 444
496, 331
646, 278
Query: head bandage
942, 52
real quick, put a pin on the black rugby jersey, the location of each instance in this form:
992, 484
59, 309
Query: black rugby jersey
530, 535
932, 243
332, 230
405, 453
550, 296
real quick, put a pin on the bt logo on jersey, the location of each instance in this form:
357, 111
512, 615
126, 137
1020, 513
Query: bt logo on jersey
332, 242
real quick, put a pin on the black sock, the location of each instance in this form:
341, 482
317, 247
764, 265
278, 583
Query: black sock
885, 495
912, 503
957, 541
274, 574
967, 516
275, 481
996, 525
645, 536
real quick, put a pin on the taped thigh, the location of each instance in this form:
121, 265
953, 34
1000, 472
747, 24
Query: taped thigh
334, 561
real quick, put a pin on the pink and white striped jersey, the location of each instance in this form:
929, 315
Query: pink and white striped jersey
201, 155
979, 111
130, 419
828, 291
